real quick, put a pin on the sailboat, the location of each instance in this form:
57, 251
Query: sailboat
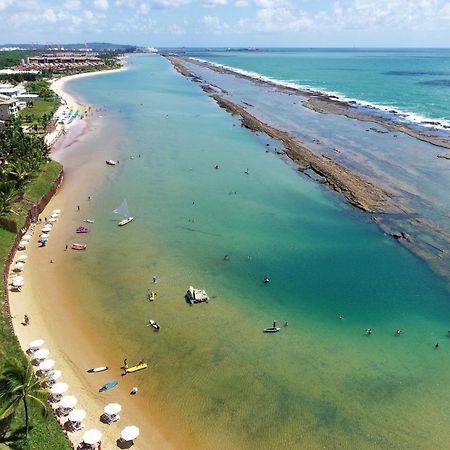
123, 210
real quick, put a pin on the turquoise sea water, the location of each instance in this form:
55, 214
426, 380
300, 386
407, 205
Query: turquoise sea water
215, 377
416, 81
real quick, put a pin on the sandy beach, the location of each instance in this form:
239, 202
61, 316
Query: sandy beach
51, 302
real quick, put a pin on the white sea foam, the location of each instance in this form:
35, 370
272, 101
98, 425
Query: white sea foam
402, 116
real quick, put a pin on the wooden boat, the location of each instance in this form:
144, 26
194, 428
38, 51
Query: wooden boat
154, 324
109, 385
136, 368
151, 296
125, 221
110, 162
79, 246
82, 230
123, 211
97, 369
271, 330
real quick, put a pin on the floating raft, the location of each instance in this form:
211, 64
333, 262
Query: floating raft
196, 295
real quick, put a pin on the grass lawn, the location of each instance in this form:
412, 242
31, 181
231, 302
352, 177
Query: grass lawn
45, 432
39, 108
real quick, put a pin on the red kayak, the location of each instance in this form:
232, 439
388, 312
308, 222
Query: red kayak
79, 247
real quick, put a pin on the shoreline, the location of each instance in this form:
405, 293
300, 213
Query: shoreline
55, 311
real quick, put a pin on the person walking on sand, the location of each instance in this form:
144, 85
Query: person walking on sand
26, 319
78, 207
67, 247
125, 365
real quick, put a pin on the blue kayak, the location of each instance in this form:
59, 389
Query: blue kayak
109, 385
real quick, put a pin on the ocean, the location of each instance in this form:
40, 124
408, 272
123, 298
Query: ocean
216, 381
415, 82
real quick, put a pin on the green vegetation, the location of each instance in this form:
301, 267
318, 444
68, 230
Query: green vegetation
39, 113
13, 57
20, 386
41, 88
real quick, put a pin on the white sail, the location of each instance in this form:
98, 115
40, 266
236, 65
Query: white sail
123, 209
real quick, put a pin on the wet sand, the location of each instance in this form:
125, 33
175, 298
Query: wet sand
50, 299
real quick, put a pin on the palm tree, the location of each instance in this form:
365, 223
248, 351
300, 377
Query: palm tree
19, 384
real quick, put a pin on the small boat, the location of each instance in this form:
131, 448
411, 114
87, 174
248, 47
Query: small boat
82, 230
110, 162
271, 330
196, 295
136, 368
88, 221
79, 246
97, 369
123, 211
125, 221
109, 385
154, 324
151, 296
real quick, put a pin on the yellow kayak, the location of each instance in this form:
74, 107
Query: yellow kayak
151, 296
136, 368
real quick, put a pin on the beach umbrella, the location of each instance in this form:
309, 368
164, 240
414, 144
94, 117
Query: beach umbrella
129, 433
55, 374
44, 235
54, 216
47, 228
18, 283
77, 415
68, 401
59, 388
41, 353
91, 437
22, 258
23, 244
52, 219
26, 237
47, 364
19, 266
56, 211
36, 343
112, 408
18, 278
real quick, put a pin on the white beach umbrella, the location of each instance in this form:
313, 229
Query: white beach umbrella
91, 437
19, 266
47, 227
23, 244
18, 278
77, 415
56, 211
54, 216
52, 219
18, 283
47, 364
26, 237
41, 353
112, 408
43, 235
22, 258
68, 401
59, 388
36, 343
129, 433
55, 374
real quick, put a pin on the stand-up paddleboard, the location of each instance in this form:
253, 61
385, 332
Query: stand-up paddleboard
136, 368
271, 330
97, 369
109, 385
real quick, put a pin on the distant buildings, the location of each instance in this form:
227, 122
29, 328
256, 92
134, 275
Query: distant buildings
18, 92
60, 62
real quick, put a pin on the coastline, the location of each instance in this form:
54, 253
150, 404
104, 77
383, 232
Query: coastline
55, 311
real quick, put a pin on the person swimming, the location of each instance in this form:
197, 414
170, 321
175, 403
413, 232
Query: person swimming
266, 280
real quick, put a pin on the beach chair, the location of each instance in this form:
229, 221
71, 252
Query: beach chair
109, 418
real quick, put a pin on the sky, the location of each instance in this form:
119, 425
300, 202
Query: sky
229, 23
